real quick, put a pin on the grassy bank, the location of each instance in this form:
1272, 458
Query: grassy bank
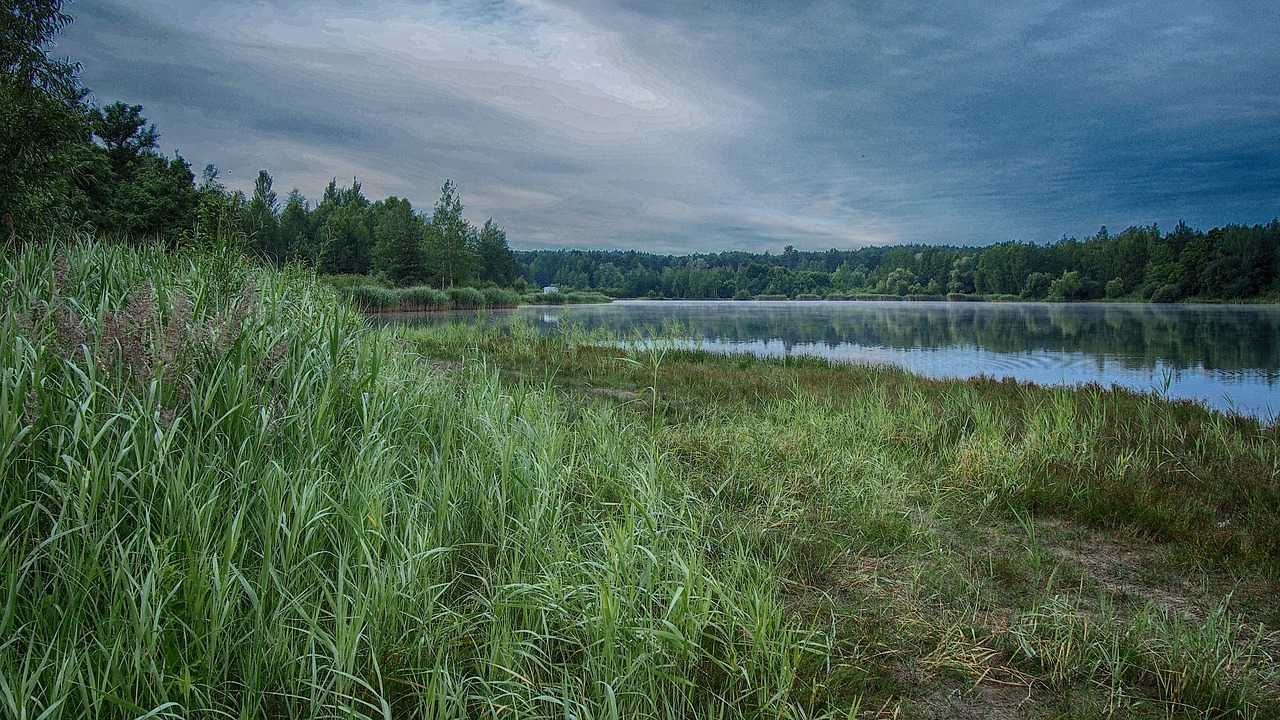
974, 549
361, 292
224, 494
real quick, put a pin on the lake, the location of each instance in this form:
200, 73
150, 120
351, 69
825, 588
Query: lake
1227, 356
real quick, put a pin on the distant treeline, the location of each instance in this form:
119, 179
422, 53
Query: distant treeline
1234, 262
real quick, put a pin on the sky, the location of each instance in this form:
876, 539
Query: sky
680, 126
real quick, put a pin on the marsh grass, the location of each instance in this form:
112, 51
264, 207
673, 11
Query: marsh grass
1101, 552
237, 500
375, 299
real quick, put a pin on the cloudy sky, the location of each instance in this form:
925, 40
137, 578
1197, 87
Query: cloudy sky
679, 126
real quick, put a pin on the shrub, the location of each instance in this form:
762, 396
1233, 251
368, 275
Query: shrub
372, 299
1166, 294
808, 297
422, 298
466, 297
500, 297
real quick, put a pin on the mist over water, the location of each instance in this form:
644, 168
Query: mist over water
1227, 356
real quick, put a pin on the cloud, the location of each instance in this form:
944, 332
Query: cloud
681, 126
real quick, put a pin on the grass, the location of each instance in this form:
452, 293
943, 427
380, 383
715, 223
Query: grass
225, 495
371, 298
1016, 550
237, 500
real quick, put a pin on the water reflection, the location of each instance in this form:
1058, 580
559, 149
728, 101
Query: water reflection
1225, 355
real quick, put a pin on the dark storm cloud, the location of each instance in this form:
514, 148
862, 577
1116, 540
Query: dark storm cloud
679, 126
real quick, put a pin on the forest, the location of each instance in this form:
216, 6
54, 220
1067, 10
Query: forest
1234, 262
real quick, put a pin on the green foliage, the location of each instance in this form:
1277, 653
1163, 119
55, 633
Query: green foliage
1234, 262
250, 504
981, 533
1067, 287
124, 132
498, 264
1037, 286
42, 118
345, 237
450, 240
465, 297
398, 243
261, 223
1115, 288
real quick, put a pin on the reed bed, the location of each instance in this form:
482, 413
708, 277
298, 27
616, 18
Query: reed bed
371, 298
225, 496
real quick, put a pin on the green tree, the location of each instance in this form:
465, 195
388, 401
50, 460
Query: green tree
124, 132
398, 243
961, 279
43, 119
261, 225
1036, 286
498, 264
1067, 287
899, 282
344, 237
295, 228
450, 245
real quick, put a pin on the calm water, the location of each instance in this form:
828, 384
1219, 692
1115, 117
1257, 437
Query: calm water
1227, 356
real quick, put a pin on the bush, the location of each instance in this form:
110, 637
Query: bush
466, 297
422, 298
1166, 294
372, 299
771, 297
836, 296
808, 297
1114, 288
495, 297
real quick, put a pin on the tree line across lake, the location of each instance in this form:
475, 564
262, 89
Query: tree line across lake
1234, 262
69, 162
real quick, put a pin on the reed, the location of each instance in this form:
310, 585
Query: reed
239, 500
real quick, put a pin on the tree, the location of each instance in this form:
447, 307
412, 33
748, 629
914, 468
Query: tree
962, 275
260, 222
1036, 286
344, 237
295, 228
450, 245
124, 132
398, 243
1067, 287
899, 282
498, 264
42, 114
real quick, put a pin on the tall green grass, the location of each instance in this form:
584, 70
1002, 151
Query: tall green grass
1097, 552
371, 298
224, 496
